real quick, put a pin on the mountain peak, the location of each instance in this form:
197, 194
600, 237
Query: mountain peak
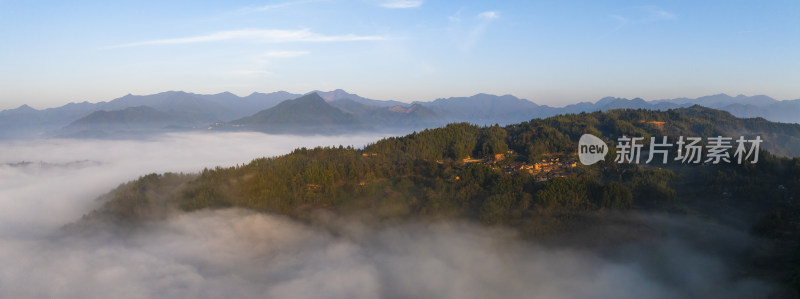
309, 113
25, 107
334, 94
607, 100
339, 94
312, 97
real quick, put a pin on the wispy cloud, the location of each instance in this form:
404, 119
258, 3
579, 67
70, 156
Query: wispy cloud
279, 5
620, 19
285, 54
488, 15
268, 7
257, 35
402, 4
479, 30
643, 14
456, 17
251, 73
639, 15
657, 14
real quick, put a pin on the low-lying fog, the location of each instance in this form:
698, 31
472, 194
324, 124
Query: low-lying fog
241, 254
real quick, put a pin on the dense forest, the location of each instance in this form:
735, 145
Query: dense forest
476, 172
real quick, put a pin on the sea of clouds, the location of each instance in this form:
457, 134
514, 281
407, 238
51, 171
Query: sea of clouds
234, 253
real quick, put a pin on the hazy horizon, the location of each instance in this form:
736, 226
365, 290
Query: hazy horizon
551, 53
560, 105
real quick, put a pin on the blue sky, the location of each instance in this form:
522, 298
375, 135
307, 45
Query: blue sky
550, 52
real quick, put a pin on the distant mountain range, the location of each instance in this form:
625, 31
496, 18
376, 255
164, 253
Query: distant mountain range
484, 109
186, 110
330, 112
332, 96
398, 116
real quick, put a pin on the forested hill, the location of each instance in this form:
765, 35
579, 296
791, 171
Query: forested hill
558, 135
494, 174
522, 176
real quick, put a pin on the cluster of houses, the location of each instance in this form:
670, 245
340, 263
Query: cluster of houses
543, 170
553, 164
